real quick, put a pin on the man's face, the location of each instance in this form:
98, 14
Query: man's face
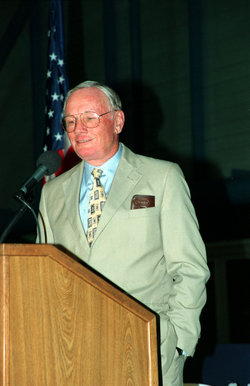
99, 144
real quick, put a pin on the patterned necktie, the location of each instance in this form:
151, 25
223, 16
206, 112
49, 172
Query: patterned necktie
97, 200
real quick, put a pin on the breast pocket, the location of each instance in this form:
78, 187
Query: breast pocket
143, 212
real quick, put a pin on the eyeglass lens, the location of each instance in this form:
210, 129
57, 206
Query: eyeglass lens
89, 119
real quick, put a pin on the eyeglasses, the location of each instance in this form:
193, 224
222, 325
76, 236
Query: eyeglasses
90, 119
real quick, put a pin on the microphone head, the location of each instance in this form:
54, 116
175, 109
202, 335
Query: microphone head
51, 160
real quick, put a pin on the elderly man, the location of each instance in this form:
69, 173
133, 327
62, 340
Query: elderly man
138, 227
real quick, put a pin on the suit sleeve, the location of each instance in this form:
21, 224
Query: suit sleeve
43, 221
185, 257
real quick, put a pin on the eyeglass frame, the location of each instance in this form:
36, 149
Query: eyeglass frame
75, 116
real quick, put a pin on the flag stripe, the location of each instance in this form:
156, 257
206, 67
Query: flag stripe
56, 86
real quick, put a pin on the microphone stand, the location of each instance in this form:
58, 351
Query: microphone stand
26, 201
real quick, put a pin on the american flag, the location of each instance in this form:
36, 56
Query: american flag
56, 89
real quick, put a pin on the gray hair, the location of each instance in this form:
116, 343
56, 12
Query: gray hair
113, 98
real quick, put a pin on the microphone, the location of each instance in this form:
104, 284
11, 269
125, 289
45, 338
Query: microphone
47, 164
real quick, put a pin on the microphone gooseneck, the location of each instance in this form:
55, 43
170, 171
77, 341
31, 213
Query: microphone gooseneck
48, 163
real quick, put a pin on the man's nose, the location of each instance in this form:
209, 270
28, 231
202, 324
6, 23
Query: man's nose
79, 126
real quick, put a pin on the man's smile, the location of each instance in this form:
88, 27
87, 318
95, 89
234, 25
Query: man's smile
84, 140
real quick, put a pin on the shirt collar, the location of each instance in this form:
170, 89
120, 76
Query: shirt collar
109, 167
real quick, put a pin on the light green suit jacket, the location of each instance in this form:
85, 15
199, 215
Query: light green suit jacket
155, 254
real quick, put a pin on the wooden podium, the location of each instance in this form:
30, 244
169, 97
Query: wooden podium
61, 324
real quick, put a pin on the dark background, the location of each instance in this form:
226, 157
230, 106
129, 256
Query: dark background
182, 69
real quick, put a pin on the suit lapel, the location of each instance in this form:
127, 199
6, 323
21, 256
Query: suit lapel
125, 179
71, 188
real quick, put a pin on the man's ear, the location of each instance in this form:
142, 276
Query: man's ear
119, 121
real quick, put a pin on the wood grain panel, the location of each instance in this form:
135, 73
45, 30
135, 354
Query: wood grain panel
4, 321
70, 327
